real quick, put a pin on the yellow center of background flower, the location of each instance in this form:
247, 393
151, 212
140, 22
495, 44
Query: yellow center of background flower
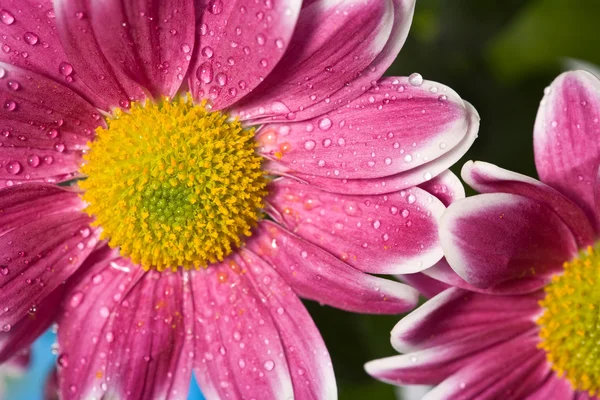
570, 325
173, 184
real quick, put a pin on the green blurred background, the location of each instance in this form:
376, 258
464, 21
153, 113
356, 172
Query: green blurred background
498, 55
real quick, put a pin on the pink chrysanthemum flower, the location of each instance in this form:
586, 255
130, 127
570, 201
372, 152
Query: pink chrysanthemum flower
181, 250
516, 316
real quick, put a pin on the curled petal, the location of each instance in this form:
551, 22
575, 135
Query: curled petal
488, 178
455, 314
395, 233
238, 45
446, 187
315, 274
493, 239
567, 149
427, 286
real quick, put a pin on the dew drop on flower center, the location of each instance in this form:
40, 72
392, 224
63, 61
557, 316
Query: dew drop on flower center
173, 184
570, 324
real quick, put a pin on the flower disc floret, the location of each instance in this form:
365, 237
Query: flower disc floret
173, 184
570, 324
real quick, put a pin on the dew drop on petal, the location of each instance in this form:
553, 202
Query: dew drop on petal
310, 144
415, 79
7, 17
31, 38
65, 69
269, 365
33, 160
13, 167
325, 124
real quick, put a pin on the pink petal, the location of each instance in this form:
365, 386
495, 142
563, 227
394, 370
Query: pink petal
315, 274
553, 388
446, 187
513, 370
427, 286
39, 256
31, 42
239, 44
335, 43
46, 125
122, 334
395, 233
443, 272
392, 128
488, 178
28, 202
502, 238
388, 184
85, 60
567, 149
256, 340
148, 41
455, 314
433, 365
22, 335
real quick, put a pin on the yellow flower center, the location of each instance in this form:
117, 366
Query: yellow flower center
173, 184
570, 324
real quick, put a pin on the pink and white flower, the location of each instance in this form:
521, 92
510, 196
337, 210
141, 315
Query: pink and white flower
350, 148
513, 312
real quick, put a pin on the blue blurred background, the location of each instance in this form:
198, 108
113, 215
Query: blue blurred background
497, 55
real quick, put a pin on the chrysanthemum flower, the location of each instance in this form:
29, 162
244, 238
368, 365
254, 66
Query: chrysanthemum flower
179, 249
516, 316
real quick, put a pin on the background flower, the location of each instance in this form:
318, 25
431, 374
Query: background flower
518, 318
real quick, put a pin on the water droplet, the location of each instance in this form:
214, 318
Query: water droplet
4, 270
310, 144
59, 147
388, 161
408, 158
207, 52
186, 48
205, 72
31, 38
221, 79
269, 365
76, 299
33, 160
13, 85
65, 69
411, 198
10, 105
2, 72
104, 312
415, 79
376, 224
279, 43
63, 361
52, 133
215, 7
405, 213
7, 17
554, 124
13, 167
260, 39
325, 124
